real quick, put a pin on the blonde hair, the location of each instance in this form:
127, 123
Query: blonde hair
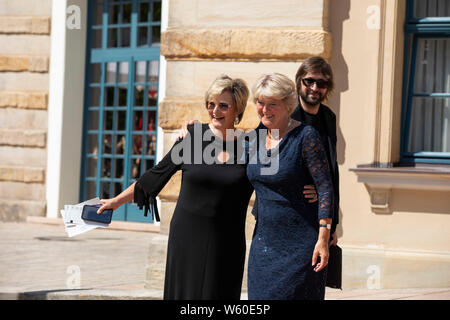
236, 87
276, 86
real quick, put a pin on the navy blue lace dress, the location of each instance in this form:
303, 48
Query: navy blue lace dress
287, 225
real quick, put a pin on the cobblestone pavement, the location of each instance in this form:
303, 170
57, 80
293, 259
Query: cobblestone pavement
40, 260
37, 257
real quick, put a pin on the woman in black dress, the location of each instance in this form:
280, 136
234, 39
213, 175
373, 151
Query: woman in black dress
206, 247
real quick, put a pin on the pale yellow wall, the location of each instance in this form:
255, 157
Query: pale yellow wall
405, 242
354, 61
418, 218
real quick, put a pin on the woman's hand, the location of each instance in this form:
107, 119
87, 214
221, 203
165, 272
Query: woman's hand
108, 204
183, 132
123, 197
310, 192
320, 250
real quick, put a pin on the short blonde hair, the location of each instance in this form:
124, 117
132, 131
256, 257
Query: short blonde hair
276, 86
238, 89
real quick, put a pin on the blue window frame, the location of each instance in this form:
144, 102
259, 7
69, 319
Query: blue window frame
121, 104
426, 103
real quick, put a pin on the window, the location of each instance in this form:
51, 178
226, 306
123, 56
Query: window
121, 105
426, 112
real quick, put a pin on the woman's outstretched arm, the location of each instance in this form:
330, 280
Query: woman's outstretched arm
122, 198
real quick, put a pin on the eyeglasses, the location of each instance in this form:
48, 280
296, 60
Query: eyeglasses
309, 82
223, 107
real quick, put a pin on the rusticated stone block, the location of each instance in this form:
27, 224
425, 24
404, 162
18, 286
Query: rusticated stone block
23, 99
245, 44
22, 138
174, 112
24, 25
167, 209
38, 64
285, 44
37, 100
19, 63
12, 190
171, 190
40, 25
23, 119
14, 63
22, 174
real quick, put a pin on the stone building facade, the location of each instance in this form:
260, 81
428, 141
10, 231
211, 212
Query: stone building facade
24, 69
393, 215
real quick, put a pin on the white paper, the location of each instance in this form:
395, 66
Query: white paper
74, 224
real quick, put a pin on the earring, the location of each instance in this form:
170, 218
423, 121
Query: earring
236, 120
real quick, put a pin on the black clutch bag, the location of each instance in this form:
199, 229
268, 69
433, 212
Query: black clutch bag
334, 274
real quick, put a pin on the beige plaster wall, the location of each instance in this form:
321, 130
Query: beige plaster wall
355, 62
405, 242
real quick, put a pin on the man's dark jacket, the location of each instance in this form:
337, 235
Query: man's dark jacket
329, 120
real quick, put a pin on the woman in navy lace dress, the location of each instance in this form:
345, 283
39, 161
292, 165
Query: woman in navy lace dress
289, 250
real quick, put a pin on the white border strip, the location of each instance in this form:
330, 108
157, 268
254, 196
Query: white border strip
55, 106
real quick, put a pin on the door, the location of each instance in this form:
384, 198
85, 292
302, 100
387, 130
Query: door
121, 104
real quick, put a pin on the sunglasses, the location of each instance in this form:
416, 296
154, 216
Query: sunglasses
309, 82
222, 106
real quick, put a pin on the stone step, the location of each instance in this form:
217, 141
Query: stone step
89, 294
156, 264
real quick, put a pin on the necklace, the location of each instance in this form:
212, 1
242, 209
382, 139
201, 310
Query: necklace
269, 134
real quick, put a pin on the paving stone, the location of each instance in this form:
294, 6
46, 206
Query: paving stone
37, 261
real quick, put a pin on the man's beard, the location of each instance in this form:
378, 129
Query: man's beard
310, 100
